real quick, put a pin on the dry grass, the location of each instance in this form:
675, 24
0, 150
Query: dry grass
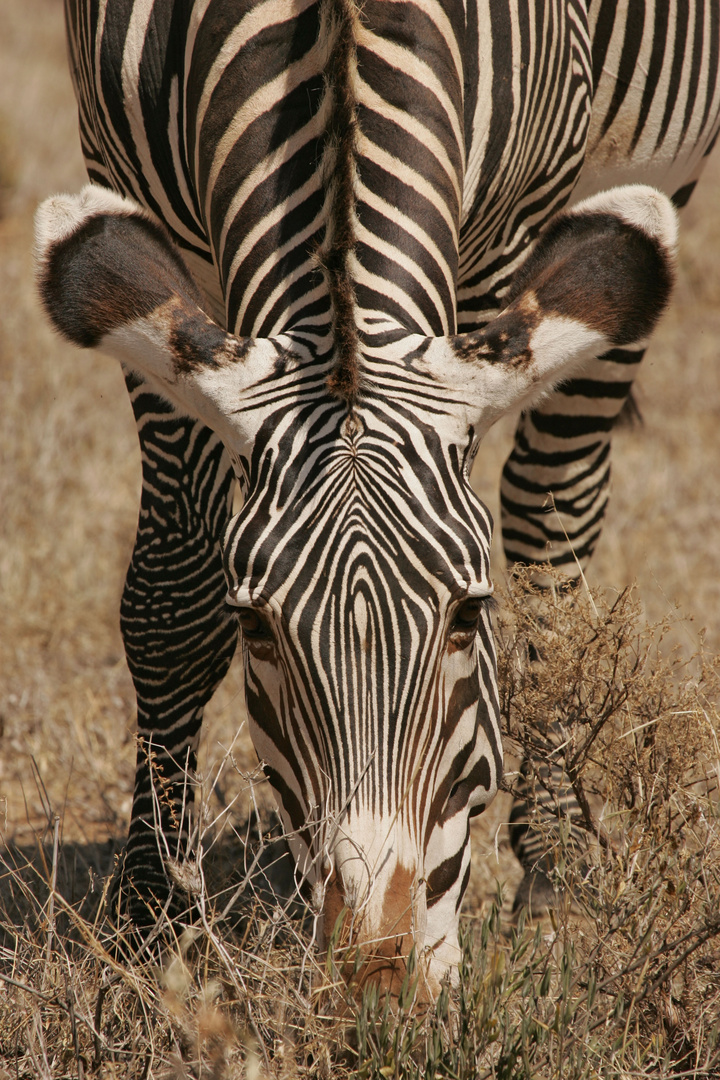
624, 983
68, 492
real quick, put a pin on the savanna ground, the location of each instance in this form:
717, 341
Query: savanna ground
631, 989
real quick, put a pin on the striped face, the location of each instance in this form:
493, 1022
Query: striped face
359, 571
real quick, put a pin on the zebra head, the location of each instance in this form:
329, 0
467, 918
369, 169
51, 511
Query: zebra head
359, 570
358, 566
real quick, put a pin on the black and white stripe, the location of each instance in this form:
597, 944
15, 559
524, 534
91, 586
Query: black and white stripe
546, 827
655, 115
355, 190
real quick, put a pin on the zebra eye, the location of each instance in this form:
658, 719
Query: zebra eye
252, 623
468, 613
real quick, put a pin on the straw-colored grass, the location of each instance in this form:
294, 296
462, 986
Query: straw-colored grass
249, 993
624, 981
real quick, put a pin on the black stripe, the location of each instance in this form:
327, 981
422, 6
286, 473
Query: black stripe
628, 61
657, 55
676, 70
695, 66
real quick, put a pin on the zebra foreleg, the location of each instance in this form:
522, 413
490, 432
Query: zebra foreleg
178, 638
555, 490
544, 835
555, 484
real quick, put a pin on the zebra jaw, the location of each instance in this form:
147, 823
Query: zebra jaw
110, 277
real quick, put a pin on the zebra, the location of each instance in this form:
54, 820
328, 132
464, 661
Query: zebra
331, 244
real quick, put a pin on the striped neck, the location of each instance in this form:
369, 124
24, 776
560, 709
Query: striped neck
338, 28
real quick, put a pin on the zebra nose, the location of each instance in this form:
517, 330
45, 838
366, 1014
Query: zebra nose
374, 920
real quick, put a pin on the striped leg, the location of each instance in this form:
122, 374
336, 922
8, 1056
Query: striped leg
554, 493
178, 639
555, 484
543, 833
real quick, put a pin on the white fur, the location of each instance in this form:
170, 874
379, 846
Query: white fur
640, 205
558, 343
559, 346
60, 216
213, 394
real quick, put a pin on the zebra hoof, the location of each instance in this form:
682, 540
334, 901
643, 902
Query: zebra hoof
536, 893
155, 902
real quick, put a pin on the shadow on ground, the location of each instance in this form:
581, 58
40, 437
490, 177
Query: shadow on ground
246, 867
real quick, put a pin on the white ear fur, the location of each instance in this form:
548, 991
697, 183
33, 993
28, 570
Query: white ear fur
189, 359
57, 218
639, 205
543, 347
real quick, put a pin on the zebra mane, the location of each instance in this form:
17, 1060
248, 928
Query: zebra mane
339, 20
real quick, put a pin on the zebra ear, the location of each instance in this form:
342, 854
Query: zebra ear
110, 278
600, 276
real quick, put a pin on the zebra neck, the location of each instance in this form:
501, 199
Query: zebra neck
339, 28
392, 174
